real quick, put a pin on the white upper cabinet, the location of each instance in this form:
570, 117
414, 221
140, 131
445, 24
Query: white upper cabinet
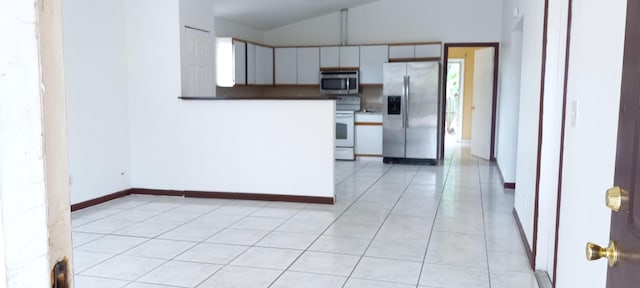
259, 65
267, 53
286, 66
372, 59
340, 57
349, 56
401, 51
417, 51
251, 63
428, 51
247, 63
329, 57
240, 55
308, 65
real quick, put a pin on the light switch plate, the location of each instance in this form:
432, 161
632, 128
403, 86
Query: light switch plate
573, 113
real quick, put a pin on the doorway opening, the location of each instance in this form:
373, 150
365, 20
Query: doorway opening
455, 100
470, 100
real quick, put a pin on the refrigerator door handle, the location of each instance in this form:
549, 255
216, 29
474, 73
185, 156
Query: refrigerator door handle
403, 106
408, 84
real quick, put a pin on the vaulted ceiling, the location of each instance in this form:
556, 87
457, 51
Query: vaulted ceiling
268, 14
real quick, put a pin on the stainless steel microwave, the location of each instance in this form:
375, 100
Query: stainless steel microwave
340, 82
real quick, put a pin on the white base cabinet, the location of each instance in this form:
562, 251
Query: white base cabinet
368, 134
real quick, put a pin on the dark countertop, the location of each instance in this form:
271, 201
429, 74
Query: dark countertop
254, 98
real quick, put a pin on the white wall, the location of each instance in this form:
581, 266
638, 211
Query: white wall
590, 146
225, 28
155, 85
389, 21
509, 92
97, 102
533, 19
230, 146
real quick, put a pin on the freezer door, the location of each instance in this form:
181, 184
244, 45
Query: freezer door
422, 110
394, 110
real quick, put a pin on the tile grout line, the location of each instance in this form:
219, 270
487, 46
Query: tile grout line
382, 224
334, 221
435, 217
484, 225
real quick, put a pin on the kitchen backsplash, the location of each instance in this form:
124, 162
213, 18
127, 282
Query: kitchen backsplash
371, 97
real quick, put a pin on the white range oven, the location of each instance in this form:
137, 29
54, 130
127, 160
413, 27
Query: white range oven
345, 126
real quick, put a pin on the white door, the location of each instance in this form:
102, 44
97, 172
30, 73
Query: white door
482, 98
198, 75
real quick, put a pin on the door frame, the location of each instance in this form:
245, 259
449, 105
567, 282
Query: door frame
494, 101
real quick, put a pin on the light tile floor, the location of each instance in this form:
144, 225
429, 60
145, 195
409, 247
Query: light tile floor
393, 226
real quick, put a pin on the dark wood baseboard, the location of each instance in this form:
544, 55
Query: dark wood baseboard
525, 242
157, 192
204, 194
506, 185
261, 197
100, 200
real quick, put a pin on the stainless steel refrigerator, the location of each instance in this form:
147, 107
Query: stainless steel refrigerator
411, 112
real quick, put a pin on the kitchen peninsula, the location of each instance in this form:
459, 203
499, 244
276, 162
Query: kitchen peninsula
266, 148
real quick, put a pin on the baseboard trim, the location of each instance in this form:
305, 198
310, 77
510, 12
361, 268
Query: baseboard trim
525, 242
544, 281
204, 194
506, 185
261, 197
100, 200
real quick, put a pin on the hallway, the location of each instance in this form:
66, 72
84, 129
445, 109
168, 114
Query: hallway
393, 226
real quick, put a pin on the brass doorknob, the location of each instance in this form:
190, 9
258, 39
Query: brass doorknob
617, 199
595, 252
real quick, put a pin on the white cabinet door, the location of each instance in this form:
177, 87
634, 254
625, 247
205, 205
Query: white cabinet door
372, 58
286, 66
428, 51
402, 51
349, 56
369, 140
330, 57
240, 55
251, 63
264, 65
268, 67
308, 65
